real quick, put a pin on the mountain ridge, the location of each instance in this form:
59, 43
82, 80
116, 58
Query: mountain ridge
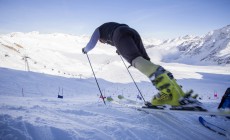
47, 49
210, 49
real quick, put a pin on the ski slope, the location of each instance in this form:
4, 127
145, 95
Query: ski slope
30, 109
84, 118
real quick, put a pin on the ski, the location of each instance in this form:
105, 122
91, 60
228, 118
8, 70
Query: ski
187, 110
212, 127
169, 109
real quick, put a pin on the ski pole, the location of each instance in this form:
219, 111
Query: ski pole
95, 79
132, 79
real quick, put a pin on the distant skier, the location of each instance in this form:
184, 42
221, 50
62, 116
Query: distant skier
129, 45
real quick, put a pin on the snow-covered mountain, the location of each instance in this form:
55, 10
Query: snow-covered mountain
210, 49
60, 54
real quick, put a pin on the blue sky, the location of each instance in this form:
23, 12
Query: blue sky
160, 19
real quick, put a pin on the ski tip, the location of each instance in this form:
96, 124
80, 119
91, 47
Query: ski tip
201, 119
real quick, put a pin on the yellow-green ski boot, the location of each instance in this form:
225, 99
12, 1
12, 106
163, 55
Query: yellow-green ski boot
170, 92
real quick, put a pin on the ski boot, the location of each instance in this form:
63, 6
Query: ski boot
170, 92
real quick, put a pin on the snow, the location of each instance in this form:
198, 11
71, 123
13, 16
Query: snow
210, 49
30, 109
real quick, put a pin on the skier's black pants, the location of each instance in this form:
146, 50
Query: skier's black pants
128, 43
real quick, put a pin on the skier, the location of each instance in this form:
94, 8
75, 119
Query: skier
129, 45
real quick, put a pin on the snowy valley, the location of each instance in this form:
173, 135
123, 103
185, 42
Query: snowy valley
35, 68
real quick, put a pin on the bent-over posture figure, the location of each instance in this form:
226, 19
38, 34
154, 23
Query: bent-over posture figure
129, 45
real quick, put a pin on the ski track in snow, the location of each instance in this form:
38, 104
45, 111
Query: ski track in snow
48, 118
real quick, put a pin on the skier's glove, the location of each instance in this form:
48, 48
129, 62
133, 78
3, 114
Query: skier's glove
83, 51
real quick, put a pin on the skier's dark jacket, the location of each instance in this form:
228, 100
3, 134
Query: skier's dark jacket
127, 40
106, 32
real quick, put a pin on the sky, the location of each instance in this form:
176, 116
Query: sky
160, 19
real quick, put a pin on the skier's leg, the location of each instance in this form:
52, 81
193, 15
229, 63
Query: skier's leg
138, 41
129, 49
169, 91
129, 44
144, 66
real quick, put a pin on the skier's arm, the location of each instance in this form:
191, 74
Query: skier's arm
93, 41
